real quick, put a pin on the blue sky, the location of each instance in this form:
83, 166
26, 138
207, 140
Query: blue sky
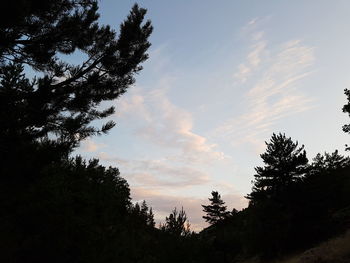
221, 78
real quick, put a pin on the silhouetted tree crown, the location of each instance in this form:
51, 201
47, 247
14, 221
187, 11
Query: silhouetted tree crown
60, 105
346, 109
328, 162
176, 223
150, 218
285, 163
216, 211
144, 213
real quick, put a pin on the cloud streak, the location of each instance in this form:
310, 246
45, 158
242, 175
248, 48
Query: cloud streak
254, 57
162, 123
158, 174
90, 146
275, 91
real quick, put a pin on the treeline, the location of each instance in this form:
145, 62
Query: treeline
293, 205
59, 208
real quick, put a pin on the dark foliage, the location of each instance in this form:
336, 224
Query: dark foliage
313, 206
143, 213
285, 164
177, 224
60, 105
216, 211
346, 109
74, 205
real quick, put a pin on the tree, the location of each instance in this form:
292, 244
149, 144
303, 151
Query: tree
75, 212
43, 119
177, 224
43, 192
346, 109
285, 163
62, 101
216, 211
150, 218
328, 162
143, 213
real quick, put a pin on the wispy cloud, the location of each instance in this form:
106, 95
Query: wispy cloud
158, 174
89, 145
275, 91
254, 57
243, 73
162, 123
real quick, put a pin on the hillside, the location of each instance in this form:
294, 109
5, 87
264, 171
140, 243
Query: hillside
335, 250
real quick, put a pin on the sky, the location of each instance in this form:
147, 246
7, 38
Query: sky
222, 76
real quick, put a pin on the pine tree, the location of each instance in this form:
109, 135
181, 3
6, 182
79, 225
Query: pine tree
216, 211
177, 224
328, 162
150, 218
346, 109
44, 119
144, 208
60, 104
136, 209
285, 163
147, 214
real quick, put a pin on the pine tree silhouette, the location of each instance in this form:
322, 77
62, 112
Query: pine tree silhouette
216, 211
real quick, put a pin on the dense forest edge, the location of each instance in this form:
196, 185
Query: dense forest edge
57, 207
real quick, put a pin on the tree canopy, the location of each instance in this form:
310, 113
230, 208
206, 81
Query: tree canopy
216, 211
346, 109
60, 104
176, 223
285, 163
